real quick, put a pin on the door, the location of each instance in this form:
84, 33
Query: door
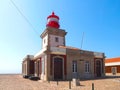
98, 68
58, 69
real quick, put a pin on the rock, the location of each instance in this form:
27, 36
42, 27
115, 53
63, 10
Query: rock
76, 82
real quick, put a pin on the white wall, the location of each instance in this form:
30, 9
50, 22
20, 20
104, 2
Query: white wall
57, 50
53, 43
45, 41
112, 64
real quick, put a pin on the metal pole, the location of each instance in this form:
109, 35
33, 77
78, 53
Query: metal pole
82, 40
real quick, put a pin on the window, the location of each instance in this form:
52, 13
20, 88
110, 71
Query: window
44, 41
74, 66
56, 39
87, 67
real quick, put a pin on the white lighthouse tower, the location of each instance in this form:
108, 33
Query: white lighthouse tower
53, 36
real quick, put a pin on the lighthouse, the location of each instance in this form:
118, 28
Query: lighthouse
53, 21
56, 61
53, 36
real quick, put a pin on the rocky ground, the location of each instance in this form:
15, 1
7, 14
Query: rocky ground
16, 82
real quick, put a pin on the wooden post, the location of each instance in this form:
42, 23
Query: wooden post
48, 81
69, 84
92, 86
57, 82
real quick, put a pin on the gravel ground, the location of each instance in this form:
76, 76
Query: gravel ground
16, 82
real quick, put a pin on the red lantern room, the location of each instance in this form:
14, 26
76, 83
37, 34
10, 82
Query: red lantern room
53, 21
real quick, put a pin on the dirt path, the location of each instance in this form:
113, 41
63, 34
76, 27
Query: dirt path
16, 82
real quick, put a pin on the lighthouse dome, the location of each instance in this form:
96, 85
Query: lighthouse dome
53, 21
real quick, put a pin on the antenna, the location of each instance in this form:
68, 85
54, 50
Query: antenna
82, 40
81, 51
26, 19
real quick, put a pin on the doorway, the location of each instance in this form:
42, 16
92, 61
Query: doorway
58, 68
98, 68
114, 70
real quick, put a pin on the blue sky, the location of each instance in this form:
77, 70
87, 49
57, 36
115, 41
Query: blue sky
98, 19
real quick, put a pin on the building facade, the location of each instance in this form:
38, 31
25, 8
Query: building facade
112, 66
28, 65
56, 61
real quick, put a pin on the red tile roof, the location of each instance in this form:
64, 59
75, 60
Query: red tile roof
109, 60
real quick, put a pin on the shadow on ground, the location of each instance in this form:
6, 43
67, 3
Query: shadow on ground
98, 78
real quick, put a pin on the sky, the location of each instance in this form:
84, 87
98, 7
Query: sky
20, 33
